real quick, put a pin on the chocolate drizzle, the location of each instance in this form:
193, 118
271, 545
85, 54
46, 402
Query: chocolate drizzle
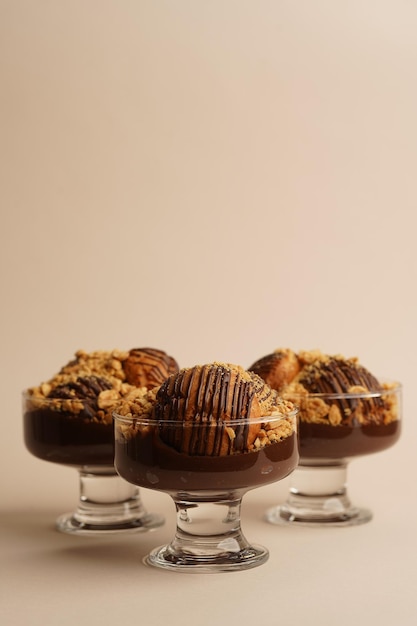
338, 376
206, 400
148, 367
266, 364
85, 388
329, 389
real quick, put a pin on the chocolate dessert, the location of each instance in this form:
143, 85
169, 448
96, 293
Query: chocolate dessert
345, 411
69, 418
206, 428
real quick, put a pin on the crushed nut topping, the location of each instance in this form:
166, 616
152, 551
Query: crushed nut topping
90, 386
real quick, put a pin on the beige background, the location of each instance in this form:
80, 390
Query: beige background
216, 179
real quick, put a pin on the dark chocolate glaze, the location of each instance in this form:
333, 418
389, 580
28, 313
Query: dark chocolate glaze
145, 460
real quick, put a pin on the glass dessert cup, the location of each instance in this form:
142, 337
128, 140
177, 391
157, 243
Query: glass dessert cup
107, 503
207, 490
318, 493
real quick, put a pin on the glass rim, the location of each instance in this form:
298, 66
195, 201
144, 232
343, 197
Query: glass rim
393, 388
247, 421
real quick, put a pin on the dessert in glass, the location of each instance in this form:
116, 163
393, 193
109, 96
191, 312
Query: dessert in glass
68, 420
206, 436
344, 412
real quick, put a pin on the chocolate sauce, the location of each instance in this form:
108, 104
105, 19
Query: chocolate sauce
147, 461
148, 367
66, 438
322, 441
216, 392
337, 376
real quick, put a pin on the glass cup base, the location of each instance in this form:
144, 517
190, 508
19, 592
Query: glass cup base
164, 557
69, 523
286, 515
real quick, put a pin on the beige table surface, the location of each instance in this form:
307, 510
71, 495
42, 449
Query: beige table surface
359, 575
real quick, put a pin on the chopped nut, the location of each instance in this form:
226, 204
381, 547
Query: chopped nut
335, 416
107, 398
46, 388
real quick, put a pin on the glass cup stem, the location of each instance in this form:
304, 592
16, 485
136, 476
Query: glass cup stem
208, 538
318, 496
107, 503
